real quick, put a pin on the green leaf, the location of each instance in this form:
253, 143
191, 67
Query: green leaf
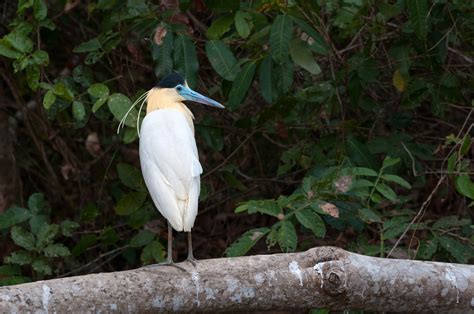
163, 55
78, 111
210, 133
466, 144
93, 57
130, 203
287, 238
361, 184
266, 81
40, 57
14, 280
185, 59
418, 13
222, 59
56, 250
243, 244
67, 227
359, 153
142, 238
10, 270
394, 227
241, 85
118, 105
36, 202
49, 99
41, 266
86, 241
98, 104
61, 90
280, 38
368, 71
82, 75
386, 191
302, 56
13, 216
130, 176
40, 10
427, 249
450, 222
360, 171
89, 212
459, 251
465, 186
33, 76
396, 179
7, 51
130, 135
88, 46
20, 42
98, 90
36, 222
109, 236
219, 27
20, 257
242, 24
369, 216
315, 40
46, 234
23, 238
233, 182
283, 77
153, 252
268, 207
390, 161
312, 221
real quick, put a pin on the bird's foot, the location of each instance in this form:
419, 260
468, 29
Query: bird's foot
192, 260
166, 263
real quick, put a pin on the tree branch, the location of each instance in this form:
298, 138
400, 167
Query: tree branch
324, 277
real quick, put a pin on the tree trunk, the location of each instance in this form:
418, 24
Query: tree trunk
324, 277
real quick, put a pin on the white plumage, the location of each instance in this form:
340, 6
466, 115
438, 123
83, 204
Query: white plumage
170, 166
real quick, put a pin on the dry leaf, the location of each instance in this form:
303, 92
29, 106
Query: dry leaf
330, 209
399, 82
93, 144
169, 4
66, 169
160, 33
343, 184
255, 235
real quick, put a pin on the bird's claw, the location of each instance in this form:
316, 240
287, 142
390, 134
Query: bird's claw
167, 263
192, 260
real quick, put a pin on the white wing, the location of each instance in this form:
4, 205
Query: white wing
170, 166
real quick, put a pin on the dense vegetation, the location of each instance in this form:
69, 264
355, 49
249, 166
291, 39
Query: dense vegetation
348, 123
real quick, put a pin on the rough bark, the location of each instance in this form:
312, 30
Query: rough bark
324, 277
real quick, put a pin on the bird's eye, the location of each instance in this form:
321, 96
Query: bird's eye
179, 88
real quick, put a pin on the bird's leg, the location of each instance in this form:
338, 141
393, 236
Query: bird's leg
169, 257
191, 258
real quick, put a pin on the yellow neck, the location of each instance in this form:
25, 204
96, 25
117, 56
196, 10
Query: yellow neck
168, 98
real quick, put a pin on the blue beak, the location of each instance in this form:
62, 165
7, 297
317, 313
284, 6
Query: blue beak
191, 95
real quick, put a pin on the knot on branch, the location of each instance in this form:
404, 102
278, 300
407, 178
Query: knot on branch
333, 276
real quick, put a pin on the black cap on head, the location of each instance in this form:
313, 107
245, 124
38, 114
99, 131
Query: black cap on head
171, 80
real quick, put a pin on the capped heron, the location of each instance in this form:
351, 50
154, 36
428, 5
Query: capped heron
168, 154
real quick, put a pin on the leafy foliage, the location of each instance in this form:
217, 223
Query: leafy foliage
348, 123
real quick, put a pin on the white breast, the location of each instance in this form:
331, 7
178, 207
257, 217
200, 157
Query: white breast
170, 166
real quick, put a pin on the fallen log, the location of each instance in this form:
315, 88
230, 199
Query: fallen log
324, 277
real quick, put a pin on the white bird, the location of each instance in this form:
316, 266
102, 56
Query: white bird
169, 157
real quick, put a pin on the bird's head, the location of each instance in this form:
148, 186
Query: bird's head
174, 89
